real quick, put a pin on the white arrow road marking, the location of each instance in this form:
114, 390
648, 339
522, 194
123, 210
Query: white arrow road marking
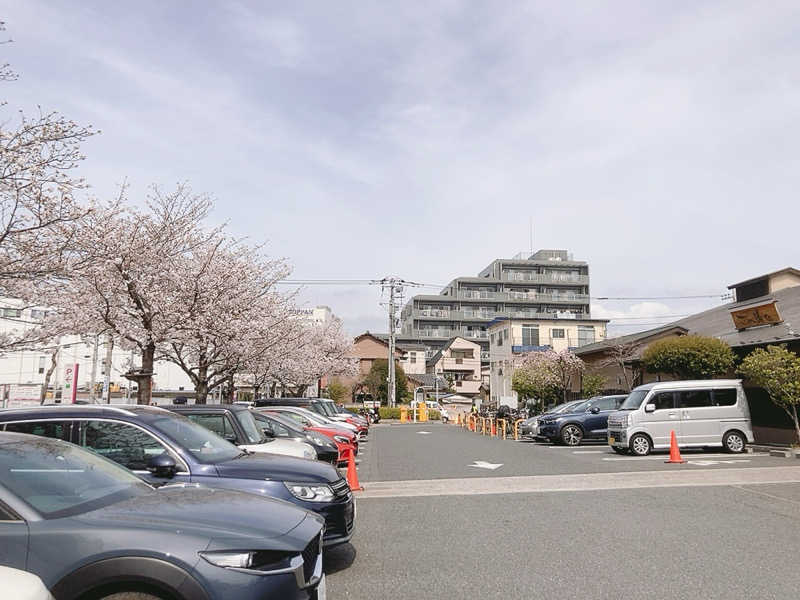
424, 432
482, 464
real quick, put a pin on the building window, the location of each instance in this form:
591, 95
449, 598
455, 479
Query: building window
42, 360
557, 333
37, 314
585, 335
530, 335
412, 357
13, 313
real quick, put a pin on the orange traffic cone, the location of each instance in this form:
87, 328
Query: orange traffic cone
352, 474
674, 451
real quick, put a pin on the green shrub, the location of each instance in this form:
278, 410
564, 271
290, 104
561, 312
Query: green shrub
689, 357
394, 413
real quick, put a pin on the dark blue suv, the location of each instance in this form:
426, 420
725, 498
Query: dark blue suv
585, 421
163, 447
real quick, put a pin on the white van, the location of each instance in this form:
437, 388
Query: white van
711, 412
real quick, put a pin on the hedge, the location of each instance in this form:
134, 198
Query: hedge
394, 413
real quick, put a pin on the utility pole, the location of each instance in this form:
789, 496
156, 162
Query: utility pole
395, 287
392, 375
107, 370
93, 377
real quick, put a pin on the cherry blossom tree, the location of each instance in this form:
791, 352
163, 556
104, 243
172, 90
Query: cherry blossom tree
308, 353
546, 373
234, 311
39, 207
131, 267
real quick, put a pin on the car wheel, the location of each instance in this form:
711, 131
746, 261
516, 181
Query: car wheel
619, 450
571, 435
131, 596
734, 442
641, 445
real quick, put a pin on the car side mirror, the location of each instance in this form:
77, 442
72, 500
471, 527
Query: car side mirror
595, 410
162, 465
650, 408
230, 437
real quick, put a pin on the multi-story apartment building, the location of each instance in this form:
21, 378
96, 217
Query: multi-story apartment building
547, 284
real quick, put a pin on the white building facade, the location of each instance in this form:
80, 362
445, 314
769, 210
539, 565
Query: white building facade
511, 338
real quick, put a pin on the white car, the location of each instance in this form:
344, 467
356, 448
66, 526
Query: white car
21, 585
285, 447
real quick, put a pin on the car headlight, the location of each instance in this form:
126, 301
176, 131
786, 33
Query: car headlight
260, 559
317, 438
623, 420
310, 492
310, 453
341, 439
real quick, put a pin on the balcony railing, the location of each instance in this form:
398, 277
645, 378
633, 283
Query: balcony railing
546, 277
522, 296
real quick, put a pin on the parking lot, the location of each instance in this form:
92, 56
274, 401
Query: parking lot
448, 512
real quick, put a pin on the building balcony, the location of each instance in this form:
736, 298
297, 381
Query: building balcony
546, 278
528, 297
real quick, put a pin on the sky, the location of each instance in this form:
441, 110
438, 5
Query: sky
655, 140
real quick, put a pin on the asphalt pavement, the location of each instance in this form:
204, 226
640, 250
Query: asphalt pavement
714, 534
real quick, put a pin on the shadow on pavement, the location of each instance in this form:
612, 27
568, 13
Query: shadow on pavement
339, 558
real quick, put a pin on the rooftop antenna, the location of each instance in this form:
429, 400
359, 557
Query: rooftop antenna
531, 221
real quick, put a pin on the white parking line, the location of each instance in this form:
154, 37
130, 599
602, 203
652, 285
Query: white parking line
685, 456
589, 452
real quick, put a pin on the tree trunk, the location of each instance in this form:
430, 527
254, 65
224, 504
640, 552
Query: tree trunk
144, 377
273, 386
51, 369
228, 389
796, 422
201, 387
256, 388
301, 389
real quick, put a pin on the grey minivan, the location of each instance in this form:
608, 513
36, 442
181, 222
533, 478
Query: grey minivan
91, 529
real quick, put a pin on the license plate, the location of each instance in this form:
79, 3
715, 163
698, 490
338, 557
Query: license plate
610, 441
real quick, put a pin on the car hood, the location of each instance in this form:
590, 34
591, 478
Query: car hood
278, 468
210, 512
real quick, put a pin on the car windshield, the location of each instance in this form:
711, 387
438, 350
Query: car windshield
634, 400
327, 408
59, 480
204, 445
315, 418
563, 407
578, 408
251, 429
283, 421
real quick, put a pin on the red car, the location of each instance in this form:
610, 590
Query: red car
345, 440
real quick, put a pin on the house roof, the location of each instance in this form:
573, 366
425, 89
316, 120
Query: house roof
404, 346
380, 338
630, 338
768, 275
716, 322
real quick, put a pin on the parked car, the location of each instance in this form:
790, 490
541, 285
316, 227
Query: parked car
21, 585
584, 421
280, 428
236, 424
316, 405
344, 439
318, 419
530, 427
163, 447
706, 413
91, 529
337, 413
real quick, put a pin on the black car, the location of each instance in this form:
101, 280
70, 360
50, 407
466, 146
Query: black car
530, 427
90, 529
164, 447
585, 421
276, 426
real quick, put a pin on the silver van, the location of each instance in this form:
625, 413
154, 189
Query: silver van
711, 412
